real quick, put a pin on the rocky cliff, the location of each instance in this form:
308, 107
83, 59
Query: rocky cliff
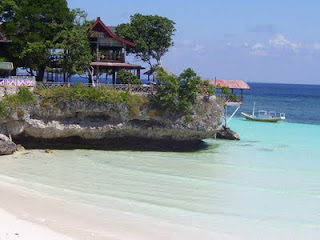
87, 123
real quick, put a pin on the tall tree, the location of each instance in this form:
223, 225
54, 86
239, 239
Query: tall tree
73, 47
32, 26
7, 10
152, 34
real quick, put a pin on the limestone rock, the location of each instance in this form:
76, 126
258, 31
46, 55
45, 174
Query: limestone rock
20, 148
227, 133
88, 120
7, 147
48, 151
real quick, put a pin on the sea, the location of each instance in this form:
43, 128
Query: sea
265, 186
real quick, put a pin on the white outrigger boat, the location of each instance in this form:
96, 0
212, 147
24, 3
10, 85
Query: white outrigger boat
264, 116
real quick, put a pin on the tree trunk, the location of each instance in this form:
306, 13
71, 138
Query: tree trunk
30, 71
91, 81
40, 74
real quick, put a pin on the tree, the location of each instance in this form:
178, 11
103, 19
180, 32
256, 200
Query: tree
32, 26
127, 77
180, 93
189, 83
74, 52
151, 34
167, 95
7, 10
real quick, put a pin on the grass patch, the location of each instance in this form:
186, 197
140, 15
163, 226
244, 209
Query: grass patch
3, 110
23, 97
57, 95
189, 118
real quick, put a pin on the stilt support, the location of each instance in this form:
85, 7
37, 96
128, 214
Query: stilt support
226, 119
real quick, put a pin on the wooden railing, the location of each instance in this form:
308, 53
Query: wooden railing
231, 100
18, 81
134, 88
111, 56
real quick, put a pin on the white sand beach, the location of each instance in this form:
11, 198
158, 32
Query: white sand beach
13, 228
97, 195
36, 217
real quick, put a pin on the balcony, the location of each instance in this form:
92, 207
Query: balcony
111, 57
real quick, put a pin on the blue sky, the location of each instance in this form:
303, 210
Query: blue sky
274, 41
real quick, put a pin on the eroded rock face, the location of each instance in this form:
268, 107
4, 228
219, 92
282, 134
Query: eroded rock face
7, 147
93, 121
227, 133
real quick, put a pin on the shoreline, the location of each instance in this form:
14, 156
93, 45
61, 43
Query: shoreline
34, 216
13, 227
53, 218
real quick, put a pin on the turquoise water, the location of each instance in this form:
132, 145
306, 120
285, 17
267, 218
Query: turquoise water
266, 186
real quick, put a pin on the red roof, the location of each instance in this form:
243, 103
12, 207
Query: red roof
99, 25
232, 84
115, 64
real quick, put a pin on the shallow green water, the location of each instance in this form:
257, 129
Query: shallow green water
266, 186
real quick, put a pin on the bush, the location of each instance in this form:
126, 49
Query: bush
167, 95
127, 77
3, 110
99, 94
20, 113
207, 88
23, 97
180, 93
227, 92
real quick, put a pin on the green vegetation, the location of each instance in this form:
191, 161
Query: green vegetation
38, 28
53, 96
127, 77
179, 94
44, 30
23, 97
152, 34
75, 55
3, 110
32, 27
227, 92
16, 102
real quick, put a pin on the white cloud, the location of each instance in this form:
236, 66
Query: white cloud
258, 49
257, 46
187, 45
277, 45
314, 46
238, 45
279, 41
198, 48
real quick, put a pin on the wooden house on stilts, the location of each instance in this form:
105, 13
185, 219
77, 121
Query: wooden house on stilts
110, 50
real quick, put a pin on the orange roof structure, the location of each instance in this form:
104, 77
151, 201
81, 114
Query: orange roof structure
232, 84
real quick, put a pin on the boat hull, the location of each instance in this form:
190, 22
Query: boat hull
254, 118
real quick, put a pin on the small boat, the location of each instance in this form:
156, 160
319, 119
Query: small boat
264, 116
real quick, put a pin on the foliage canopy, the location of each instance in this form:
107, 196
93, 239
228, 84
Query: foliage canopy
180, 93
74, 52
151, 34
32, 26
127, 77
